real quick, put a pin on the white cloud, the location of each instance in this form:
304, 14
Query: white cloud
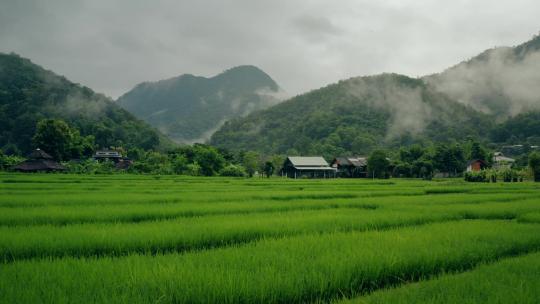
111, 46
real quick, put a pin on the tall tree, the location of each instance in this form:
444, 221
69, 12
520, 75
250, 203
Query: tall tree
209, 159
250, 161
411, 154
268, 168
378, 164
55, 137
478, 152
534, 164
449, 158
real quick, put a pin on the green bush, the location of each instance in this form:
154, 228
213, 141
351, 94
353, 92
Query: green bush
233, 171
90, 166
476, 176
8, 161
507, 175
491, 175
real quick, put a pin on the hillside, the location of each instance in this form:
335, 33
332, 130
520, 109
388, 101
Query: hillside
493, 97
354, 117
29, 93
523, 128
501, 81
190, 108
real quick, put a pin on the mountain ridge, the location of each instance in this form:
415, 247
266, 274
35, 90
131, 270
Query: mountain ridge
354, 116
467, 100
29, 93
189, 108
500, 81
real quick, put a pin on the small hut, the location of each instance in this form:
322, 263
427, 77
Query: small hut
476, 165
114, 156
313, 167
39, 161
502, 162
120, 162
352, 166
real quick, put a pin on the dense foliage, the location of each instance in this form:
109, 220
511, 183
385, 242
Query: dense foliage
354, 117
188, 108
195, 160
61, 141
493, 175
8, 161
534, 164
378, 164
521, 129
359, 115
29, 93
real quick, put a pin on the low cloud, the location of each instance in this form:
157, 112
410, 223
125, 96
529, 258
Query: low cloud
112, 45
499, 82
77, 104
408, 112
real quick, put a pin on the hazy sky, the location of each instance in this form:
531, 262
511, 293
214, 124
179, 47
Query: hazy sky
111, 46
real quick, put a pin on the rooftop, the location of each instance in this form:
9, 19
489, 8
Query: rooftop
308, 161
39, 154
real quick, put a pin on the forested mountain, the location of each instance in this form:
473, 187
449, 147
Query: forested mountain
501, 81
489, 97
493, 97
190, 108
354, 117
29, 93
523, 128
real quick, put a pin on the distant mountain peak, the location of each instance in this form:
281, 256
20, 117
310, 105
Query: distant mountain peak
532, 45
247, 68
189, 108
352, 117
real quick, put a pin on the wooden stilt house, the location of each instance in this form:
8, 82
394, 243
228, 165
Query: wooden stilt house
39, 161
310, 167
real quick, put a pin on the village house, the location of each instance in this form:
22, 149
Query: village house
350, 166
476, 165
39, 161
120, 162
312, 167
502, 162
114, 156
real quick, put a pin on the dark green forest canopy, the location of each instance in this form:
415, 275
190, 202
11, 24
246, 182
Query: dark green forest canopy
492, 98
521, 129
29, 93
355, 116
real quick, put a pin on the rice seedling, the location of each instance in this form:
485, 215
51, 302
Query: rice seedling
513, 280
172, 239
297, 269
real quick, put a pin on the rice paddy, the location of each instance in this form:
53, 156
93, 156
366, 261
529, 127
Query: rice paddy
172, 239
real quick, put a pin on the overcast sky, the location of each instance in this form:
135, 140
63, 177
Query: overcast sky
111, 46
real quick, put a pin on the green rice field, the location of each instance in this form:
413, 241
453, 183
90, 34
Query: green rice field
173, 239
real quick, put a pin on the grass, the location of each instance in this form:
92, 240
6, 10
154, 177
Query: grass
129, 212
170, 239
204, 232
513, 280
193, 233
288, 270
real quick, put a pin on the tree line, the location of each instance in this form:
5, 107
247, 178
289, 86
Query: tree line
449, 159
64, 143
